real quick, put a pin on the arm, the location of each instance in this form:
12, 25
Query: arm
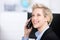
26, 31
24, 38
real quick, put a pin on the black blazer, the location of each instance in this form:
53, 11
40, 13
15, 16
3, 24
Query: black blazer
49, 35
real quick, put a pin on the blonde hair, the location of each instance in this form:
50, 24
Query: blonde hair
47, 11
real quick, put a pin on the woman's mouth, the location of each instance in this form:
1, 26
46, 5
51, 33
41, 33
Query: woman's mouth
36, 22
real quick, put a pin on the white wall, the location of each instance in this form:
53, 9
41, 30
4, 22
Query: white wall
12, 25
55, 6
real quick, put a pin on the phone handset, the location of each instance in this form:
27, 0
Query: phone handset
29, 25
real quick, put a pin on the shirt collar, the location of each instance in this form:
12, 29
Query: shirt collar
37, 33
40, 34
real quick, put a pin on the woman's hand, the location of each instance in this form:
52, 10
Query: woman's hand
26, 30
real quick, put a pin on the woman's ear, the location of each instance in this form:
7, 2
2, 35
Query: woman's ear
47, 18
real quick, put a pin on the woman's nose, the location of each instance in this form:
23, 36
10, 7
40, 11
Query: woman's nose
35, 18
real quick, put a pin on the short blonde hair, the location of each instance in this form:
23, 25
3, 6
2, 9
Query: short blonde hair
46, 10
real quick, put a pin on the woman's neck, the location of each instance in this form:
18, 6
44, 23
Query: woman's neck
40, 29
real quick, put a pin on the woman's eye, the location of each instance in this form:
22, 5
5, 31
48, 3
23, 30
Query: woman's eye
36, 15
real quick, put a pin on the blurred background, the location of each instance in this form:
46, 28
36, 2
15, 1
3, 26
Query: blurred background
14, 13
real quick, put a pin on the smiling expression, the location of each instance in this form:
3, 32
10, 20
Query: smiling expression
38, 18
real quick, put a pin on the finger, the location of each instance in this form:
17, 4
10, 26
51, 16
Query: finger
27, 22
29, 30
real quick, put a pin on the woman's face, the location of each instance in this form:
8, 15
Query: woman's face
38, 18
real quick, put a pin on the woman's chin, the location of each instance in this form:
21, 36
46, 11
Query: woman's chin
35, 26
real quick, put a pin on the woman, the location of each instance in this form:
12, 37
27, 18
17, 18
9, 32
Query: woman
41, 19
